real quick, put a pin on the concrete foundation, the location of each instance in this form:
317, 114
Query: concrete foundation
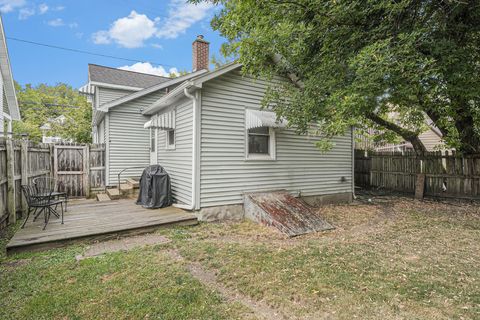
236, 211
230, 212
317, 201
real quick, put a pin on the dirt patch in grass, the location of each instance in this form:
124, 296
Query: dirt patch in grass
385, 260
259, 309
389, 258
138, 284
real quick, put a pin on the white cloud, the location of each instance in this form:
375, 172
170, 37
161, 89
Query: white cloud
101, 37
181, 16
56, 22
146, 67
129, 32
42, 8
132, 31
157, 46
73, 25
26, 9
11, 5
25, 13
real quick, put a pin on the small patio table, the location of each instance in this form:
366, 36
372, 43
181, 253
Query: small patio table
49, 184
40, 200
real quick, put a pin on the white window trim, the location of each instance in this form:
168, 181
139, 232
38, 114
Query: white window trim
167, 145
271, 147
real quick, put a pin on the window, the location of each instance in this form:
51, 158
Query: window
170, 136
261, 143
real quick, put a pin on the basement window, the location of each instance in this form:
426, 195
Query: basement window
170, 136
261, 143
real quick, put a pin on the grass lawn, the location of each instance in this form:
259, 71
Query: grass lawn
394, 259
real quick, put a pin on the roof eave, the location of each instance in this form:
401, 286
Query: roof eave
97, 117
8, 77
114, 86
173, 96
151, 89
194, 84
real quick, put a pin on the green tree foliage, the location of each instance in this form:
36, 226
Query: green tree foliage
41, 104
356, 62
178, 74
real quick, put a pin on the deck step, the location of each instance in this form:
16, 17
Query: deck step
127, 190
103, 197
114, 194
133, 182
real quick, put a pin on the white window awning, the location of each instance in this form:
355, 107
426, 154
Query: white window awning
164, 121
148, 124
258, 118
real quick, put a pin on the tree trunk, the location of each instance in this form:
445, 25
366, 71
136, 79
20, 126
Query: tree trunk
469, 140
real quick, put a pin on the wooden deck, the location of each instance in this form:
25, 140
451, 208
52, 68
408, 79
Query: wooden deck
89, 219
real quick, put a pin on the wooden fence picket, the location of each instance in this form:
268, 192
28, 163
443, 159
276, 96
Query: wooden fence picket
23, 161
447, 174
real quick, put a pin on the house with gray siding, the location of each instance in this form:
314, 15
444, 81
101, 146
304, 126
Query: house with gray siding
207, 129
8, 99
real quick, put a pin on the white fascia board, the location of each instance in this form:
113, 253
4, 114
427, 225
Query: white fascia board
151, 89
166, 100
7, 76
216, 73
195, 83
114, 86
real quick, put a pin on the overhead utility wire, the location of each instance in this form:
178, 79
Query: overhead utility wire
85, 52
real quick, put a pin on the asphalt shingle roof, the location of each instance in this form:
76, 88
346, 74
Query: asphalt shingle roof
123, 77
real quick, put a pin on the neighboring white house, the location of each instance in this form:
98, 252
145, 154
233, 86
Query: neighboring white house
207, 130
47, 127
431, 138
8, 98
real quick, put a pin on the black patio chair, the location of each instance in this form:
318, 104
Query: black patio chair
41, 200
47, 183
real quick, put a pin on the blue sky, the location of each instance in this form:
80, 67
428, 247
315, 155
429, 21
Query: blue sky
158, 31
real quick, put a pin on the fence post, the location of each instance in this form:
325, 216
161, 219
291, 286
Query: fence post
12, 210
86, 170
25, 172
51, 148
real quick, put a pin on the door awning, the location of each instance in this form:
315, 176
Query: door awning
164, 121
258, 118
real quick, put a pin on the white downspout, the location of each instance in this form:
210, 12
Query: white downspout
194, 150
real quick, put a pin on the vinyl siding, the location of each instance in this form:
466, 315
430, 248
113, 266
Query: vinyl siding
128, 140
106, 95
431, 140
178, 162
299, 165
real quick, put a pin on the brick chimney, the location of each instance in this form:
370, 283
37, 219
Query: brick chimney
200, 53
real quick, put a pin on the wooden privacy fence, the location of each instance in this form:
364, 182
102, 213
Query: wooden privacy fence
446, 174
22, 161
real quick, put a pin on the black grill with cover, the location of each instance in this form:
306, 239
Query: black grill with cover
155, 190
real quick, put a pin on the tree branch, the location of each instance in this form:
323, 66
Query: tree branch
406, 134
